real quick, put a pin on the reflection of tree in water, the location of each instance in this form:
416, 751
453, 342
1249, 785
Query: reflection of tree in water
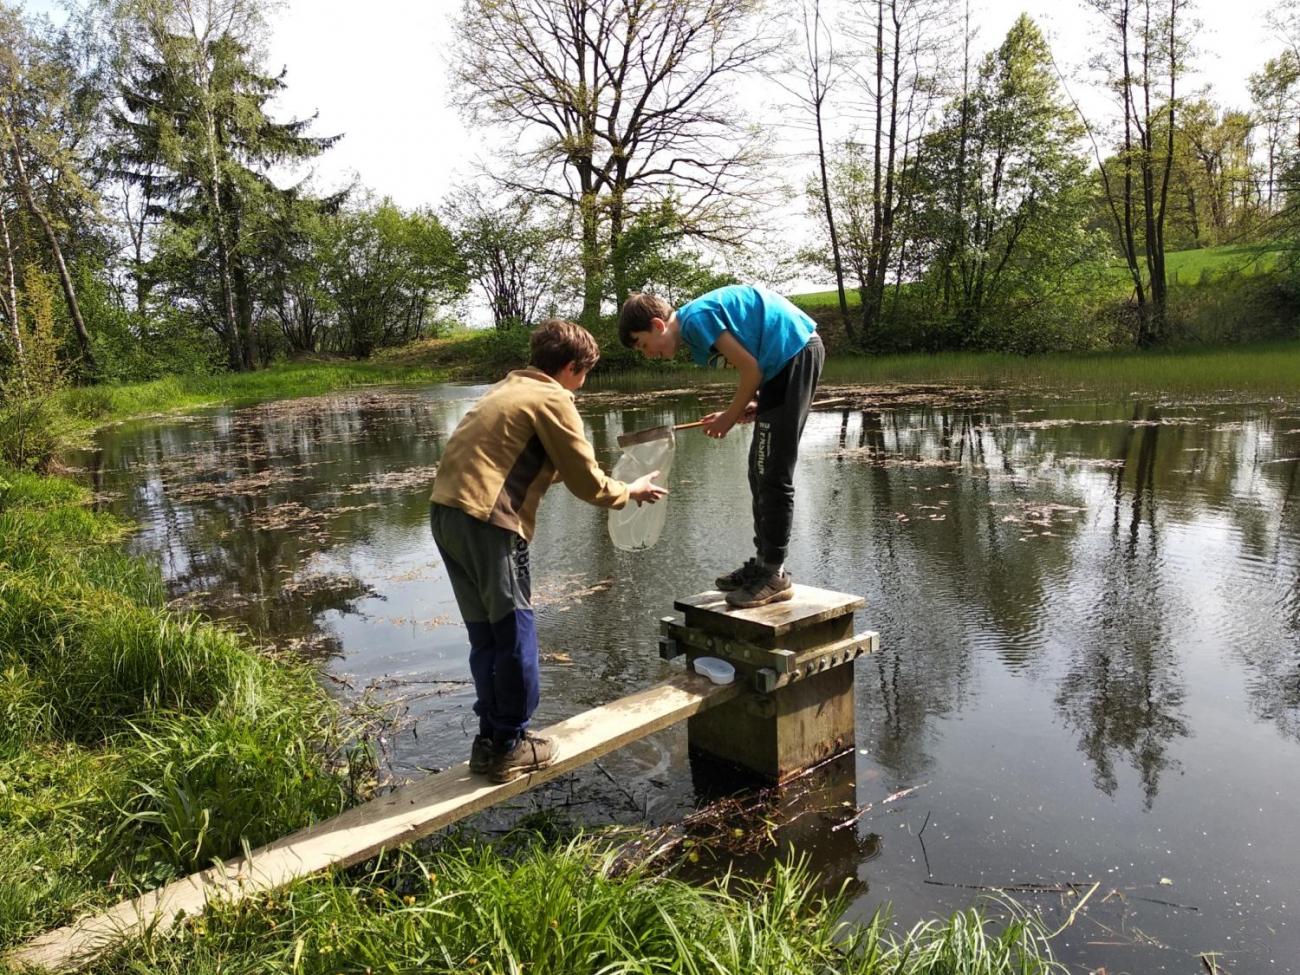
938, 476
1274, 686
1122, 691
238, 510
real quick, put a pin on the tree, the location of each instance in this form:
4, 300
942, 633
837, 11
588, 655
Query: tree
516, 252
616, 105
817, 69
1005, 188
1149, 42
1213, 178
9, 302
194, 105
41, 124
1275, 92
906, 45
384, 271
293, 287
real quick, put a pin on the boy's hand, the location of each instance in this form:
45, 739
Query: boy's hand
751, 412
718, 425
644, 491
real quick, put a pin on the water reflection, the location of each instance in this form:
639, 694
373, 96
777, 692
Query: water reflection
1090, 612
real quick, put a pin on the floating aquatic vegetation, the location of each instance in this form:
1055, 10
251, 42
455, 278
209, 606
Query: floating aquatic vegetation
880, 458
292, 514
251, 484
397, 480
433, 623
560, 593
311, 405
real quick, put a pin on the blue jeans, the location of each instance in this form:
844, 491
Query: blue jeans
489, 573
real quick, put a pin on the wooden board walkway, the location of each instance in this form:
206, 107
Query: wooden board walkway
356, 835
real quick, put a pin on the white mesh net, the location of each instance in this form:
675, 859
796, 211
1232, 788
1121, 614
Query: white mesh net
637, 526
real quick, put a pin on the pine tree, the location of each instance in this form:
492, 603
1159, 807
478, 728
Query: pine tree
193, 123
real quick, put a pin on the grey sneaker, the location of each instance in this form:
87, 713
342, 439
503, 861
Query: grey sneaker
531, 753
736, 578
762, 588
481, 754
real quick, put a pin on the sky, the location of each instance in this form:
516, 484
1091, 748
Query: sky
376, 71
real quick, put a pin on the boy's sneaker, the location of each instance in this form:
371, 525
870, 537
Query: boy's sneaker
762, 588
530, 753
737, 578
481, 754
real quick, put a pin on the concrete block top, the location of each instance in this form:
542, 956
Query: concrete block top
807, 607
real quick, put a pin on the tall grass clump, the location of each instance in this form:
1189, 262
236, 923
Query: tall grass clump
136, 744
567, 909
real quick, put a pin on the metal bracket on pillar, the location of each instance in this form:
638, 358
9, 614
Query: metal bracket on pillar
669, 648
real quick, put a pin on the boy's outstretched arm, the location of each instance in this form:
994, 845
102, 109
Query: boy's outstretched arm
559, 428
751, 377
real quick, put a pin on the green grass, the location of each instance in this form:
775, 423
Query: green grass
1187, 267
549, 908
1193, 266
100, 404
1262, 368
135, 744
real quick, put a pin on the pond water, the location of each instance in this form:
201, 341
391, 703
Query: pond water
1089, 612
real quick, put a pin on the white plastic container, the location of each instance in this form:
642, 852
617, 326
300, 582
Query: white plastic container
715, 669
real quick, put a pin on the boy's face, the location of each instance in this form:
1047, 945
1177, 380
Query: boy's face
658, 342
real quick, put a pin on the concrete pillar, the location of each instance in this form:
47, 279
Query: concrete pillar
794, 660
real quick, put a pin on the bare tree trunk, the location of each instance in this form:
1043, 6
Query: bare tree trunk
235, 353
889, 209
1159, 285
65, 278
868, 297
1126, 228
819, 88
591, 260
11, 304
1147, 142
830, 227
957, 240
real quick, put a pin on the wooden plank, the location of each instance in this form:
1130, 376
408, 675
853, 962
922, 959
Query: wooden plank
806, 607
361, 832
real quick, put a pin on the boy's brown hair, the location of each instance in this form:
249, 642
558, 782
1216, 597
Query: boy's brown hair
555, 343
636, 314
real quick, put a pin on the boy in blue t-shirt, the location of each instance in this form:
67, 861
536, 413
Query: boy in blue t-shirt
775, 348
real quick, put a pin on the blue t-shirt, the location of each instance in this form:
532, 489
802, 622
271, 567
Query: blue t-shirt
770, 328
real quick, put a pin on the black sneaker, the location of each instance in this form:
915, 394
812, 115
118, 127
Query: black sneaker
481, 754
530, 753
736, 578
762, 588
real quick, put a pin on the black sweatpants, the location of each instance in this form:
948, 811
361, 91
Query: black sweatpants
783, 403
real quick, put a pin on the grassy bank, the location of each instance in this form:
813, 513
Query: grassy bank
1266, 368
135, 744
1263, 369
101, 404
564, 909
1189, 267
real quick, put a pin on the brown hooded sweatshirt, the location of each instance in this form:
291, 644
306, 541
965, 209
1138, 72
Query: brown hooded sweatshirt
520, 438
